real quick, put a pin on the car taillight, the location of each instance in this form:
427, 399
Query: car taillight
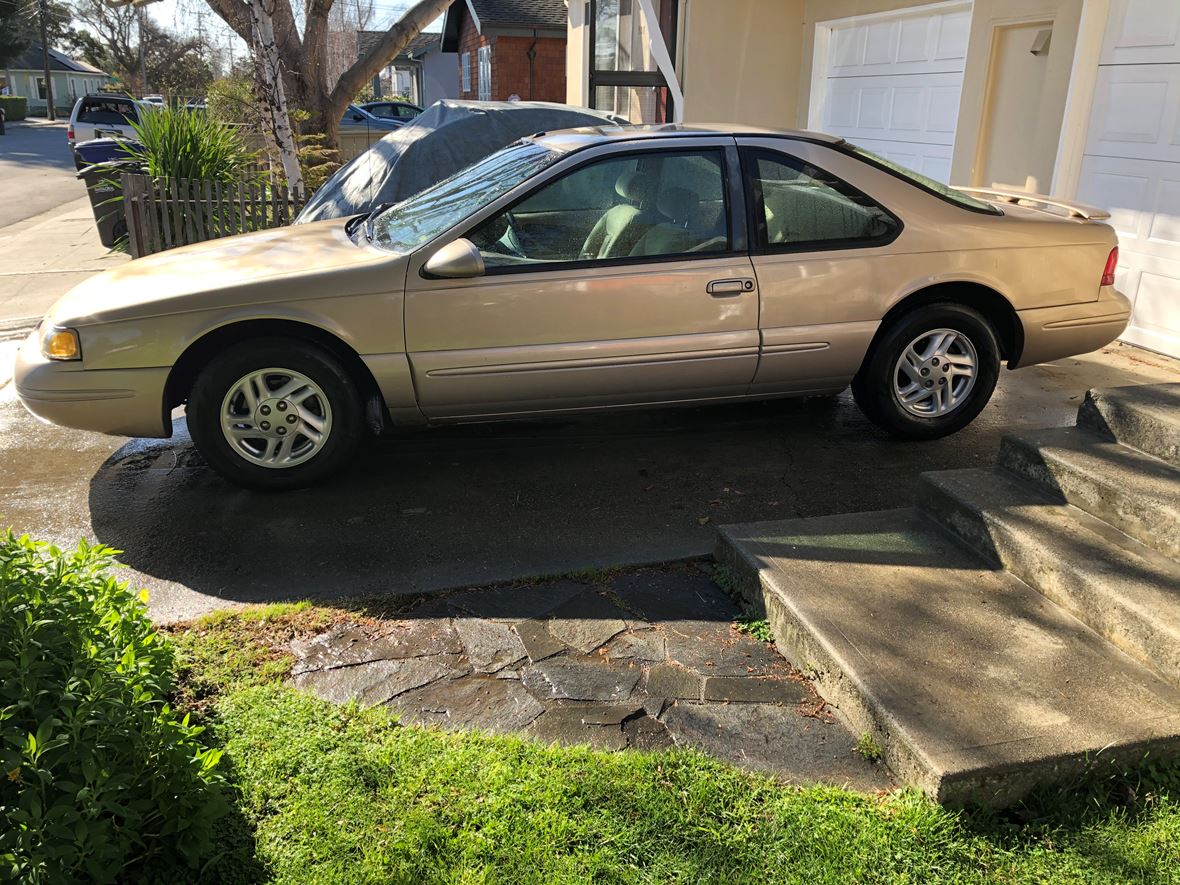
70, 134
1112, 264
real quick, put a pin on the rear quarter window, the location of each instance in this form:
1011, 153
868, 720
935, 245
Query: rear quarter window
930, 185
107, 112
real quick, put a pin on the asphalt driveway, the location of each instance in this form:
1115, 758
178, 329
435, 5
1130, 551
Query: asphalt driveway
475, 504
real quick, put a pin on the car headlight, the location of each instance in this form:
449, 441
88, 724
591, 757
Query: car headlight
60, 344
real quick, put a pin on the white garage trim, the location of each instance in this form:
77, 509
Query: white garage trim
837, 82
1083, 79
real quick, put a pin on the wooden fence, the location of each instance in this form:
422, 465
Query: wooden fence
163, 213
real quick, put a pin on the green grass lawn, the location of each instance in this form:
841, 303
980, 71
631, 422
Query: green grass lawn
344, 795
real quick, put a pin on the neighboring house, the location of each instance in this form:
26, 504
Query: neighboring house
433, 71
1075, 98
422, 72
25, 75
508, 48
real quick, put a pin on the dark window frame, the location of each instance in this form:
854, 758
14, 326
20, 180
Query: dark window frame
631, 78
734, 210
756, 208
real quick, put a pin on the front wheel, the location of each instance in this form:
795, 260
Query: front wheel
930, 373
275, 414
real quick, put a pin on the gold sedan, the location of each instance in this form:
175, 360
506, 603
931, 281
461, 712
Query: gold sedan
580, 270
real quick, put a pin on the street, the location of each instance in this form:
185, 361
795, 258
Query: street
37, 170
481, 503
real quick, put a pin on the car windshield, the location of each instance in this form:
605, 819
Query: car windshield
413, 222
936, 187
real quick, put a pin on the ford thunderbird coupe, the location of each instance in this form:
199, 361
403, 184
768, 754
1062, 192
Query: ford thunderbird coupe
580, 270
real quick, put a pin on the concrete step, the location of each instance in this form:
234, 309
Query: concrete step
1136, 493
1125, 591
1146, 417
976, 687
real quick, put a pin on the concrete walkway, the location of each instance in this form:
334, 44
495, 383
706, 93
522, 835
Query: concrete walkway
43, 257
1019, 626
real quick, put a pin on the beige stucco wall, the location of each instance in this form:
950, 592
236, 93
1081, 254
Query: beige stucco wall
740, 60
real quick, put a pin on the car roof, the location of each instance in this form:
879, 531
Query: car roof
575, 139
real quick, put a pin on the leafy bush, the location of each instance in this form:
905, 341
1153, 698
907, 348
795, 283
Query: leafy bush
231, 100
16, 107
180, 144
99, 778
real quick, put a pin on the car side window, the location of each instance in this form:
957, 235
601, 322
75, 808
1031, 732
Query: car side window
795, 204
652, 204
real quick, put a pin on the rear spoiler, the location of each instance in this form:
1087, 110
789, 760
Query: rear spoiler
1069, 209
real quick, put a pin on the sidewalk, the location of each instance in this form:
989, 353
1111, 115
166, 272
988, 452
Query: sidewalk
43, 257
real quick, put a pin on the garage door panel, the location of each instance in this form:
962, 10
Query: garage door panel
1143, 198
895, 108
1131, 164
911, 44
1136, 112
1140, 31
1153, 285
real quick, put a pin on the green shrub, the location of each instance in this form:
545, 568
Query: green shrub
16, 107
180, 144
99, 778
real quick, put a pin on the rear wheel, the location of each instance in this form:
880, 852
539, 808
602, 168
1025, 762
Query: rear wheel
275, 414
930, 373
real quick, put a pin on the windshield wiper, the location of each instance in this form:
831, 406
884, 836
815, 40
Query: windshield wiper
372, 216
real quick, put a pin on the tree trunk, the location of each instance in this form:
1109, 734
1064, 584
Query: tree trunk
302, 70
274, 95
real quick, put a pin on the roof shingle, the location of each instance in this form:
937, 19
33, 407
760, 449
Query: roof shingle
526, 13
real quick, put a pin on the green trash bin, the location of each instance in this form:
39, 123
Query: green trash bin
104, 186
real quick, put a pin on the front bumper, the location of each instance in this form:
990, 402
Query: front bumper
121, 402
1053, 333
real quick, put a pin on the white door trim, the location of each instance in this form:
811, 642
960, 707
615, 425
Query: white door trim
1079, 99
823, 42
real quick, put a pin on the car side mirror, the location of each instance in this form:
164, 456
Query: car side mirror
455, 261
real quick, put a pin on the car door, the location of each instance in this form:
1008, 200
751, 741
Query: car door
622, 279
818, 245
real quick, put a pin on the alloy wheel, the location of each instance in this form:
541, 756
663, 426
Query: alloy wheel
935, 373
276, 418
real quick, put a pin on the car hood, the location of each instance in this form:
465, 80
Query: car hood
221, 273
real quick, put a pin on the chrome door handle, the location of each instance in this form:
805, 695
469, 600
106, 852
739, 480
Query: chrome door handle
729, 288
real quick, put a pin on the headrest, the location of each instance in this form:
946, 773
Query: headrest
630, 186
677, 203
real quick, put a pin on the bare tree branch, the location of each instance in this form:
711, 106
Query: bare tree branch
396, 39
236, 14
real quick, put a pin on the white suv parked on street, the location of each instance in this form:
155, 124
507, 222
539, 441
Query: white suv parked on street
102, 116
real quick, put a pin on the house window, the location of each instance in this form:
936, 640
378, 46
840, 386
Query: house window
41, 89
465, 71
624, 78
485, 73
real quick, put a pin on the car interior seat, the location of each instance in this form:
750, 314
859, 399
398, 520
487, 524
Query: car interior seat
678, 205
621, 226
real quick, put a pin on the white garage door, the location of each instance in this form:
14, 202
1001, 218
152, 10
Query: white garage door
892, 83
1132, 162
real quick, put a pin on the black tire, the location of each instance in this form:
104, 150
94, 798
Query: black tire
222, 373
874, 387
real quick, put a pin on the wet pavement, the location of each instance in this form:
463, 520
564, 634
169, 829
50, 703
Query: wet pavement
472, 505
647, 659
